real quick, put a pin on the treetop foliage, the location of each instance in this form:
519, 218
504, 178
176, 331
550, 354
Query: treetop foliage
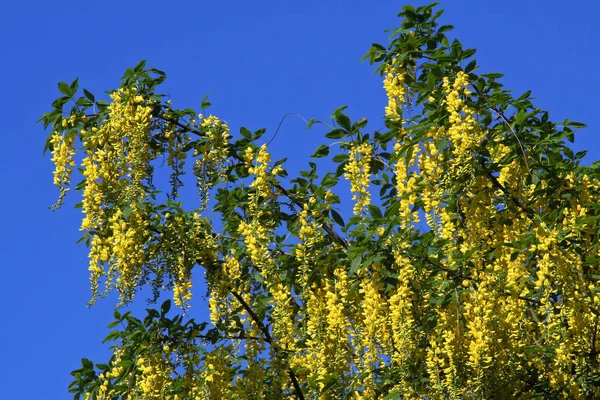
468, 269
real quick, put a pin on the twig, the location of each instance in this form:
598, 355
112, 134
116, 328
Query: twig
281, 122
326, 228
268, 339
501, 115
498, 185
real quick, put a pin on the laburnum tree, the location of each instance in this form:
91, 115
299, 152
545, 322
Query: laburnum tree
468, 268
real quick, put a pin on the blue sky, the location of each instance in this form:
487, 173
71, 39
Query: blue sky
258, 60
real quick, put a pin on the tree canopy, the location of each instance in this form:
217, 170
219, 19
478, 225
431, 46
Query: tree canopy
466, 265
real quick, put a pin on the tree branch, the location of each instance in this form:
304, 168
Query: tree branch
268, 339
501, 187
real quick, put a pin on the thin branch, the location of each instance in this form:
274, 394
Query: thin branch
498, 185
505, 120
187, 128
281, 122
501, 115
326, 228
238, 337
253, 315
268, 339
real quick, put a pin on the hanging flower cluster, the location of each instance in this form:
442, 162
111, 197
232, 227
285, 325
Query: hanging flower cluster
358, 172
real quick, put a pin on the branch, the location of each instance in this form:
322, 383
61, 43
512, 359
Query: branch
326, 228
239, 337
501, 187
268, 339
432, 262
281, 122
185, 127
501, 115
265, 331
253, 315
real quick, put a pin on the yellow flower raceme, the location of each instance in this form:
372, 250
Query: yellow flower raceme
62, 157
213, 153
395, 90
358, 172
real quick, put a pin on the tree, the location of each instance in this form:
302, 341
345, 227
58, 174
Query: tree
468, 269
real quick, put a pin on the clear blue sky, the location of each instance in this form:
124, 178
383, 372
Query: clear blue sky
258, 60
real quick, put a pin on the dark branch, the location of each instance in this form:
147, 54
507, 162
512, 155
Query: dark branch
268, 339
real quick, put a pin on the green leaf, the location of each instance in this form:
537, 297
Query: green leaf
165, 307
355, 265
372, 260
335, 133
338, 110
535, 177
65, 89
445, 28
375, 54
569, 153
126, 211
337, 218
113, 324
329, 180
375, 211
246, 133
322, 151
577, 124
205, 103
470, 66
343, 121
361, 123
258, 133
340, 157
520, 117
138, 68
524, 96
74, 85
386, 137
492, 75
467, 53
